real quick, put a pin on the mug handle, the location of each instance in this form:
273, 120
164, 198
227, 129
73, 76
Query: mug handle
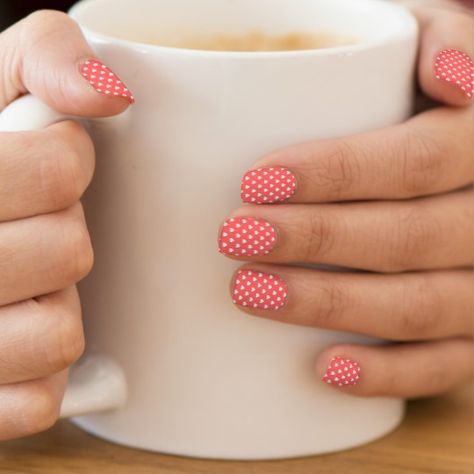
96, 382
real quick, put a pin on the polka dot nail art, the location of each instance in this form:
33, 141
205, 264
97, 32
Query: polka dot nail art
267, 185
246, 237
457, 68
342, 372
259, 290
104, 80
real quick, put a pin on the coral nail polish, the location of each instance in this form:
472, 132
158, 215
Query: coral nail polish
342, 372
267, 185
259, 290
104, 80
457, 68
246, 237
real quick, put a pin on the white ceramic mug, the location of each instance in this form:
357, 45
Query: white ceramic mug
179, 369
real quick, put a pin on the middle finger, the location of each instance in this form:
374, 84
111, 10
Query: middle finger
43, 254
427, 233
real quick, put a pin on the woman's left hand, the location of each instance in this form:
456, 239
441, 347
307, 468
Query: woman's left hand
397, 203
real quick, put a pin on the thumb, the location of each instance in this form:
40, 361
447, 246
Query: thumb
446, 67
47, 55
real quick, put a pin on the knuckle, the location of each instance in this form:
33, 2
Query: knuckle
40, 411
420, 311
435, 378
413, 232
61, 176
340, 170
463, 21
319, 236
66, 342
44, 19
422, 163
36, 31
332, 305
76, 253
387, 384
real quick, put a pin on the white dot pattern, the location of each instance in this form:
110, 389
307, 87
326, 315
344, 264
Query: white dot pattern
457, 68
246, 237
259, 290
104, 80
342, 372
267, 185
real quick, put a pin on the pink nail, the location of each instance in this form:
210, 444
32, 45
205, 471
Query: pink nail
457, 68
342, 372
104, 80
246, 237
267, 185
259, 290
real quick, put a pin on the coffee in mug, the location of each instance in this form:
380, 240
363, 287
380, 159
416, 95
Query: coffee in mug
255, 40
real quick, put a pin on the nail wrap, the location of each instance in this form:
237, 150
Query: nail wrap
456, 68
259, 290
104, 80
246, 237
342, 372
267, 185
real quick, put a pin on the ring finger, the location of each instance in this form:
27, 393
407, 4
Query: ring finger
53, 341
414, 306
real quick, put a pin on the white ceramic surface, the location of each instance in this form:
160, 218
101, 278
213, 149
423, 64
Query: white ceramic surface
204, 379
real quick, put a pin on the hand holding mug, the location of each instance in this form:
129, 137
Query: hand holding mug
44, 242
389, 202
396, 203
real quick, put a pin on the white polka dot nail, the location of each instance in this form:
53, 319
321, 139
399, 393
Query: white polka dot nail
246, 237
456, 68
342, 372
104, 80
267, 185
259, 290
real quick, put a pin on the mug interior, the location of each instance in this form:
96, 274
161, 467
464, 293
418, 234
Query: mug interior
141, 21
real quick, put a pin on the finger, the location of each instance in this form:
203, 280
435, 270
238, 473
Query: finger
30, 407
40, 337
412, 306
45, 171
446, 68
43, 254
423, 234
46, 54
402, 371
429, 154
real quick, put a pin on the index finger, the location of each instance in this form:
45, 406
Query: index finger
429, 154
44, 171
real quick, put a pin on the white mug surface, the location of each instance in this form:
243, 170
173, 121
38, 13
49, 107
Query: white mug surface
203, 379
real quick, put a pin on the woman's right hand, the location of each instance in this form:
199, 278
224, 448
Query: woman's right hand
44, 243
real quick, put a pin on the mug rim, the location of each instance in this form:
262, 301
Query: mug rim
409, 28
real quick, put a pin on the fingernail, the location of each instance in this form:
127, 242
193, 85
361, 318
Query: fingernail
267, 185
457, 68
104, 80
246, 237
342, 372
259, 290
